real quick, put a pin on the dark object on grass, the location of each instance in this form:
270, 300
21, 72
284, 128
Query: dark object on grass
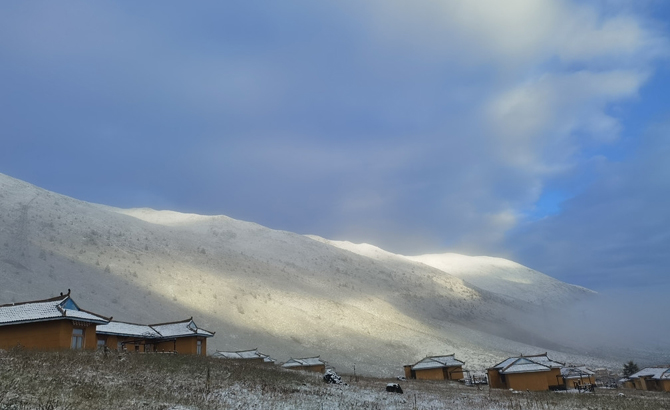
331, 377
394, 388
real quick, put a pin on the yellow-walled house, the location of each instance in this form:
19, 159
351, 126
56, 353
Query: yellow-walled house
536, 373
577, 376
310, 364
435, 368
651, 378
252, 355
183, 337
50, 324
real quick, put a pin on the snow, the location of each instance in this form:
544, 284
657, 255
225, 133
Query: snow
307, 361
288, 294
437, 362
184, 328
44, 310
243, 354
656, 373
127, 329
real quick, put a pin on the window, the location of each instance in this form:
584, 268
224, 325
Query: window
77, 339
101, 343
119, 346
198, 348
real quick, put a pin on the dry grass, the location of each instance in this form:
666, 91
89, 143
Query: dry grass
86, 380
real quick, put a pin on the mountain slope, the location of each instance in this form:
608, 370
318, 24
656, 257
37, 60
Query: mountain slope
500, 276
287, 294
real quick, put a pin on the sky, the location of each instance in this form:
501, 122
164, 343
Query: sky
535, 130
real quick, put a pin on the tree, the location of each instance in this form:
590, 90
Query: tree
630, 368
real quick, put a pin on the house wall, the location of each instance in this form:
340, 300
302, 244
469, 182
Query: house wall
554, 377
495, 381
319, 368
640, 383
430, 374
440, 373
536, 381
572, 383
455, 373
408, 372
183, 345
49, 335
665, 385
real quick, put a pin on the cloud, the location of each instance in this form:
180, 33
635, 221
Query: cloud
417, 126
615, 233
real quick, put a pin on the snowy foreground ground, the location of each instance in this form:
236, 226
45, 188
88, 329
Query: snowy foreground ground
67, 380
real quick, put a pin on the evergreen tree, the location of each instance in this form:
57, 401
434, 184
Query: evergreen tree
630, 368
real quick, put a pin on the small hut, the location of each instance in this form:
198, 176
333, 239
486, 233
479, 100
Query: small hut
48, 324
536, 372
252, 355
435, 368
652, 378
183, 337
575, 377
310, 364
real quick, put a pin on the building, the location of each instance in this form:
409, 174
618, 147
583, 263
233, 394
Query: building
574, 377
310, 364
127, 336
651, 378
536, 373
245, 355
435, 368
49, 324
183, 337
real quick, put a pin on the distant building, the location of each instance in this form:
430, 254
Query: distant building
651, 378
252, 355
536, 373
50, 324
310, 364
183, 337
435, 368
574, 377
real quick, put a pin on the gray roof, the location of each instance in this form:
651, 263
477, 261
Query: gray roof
58, 308
307, 361
183, 328
576, 372
243, 355
435, 362
656, 373
527, 364
126, 329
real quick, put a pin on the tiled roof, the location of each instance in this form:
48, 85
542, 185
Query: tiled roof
575, 372
180, 329
307, 361
526, 364
435, 362
656, 373
60, 307
127, 329
159, 331
243, 355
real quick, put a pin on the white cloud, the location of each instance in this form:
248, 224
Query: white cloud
536, 120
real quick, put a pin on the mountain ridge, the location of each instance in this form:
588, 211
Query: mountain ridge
288, 294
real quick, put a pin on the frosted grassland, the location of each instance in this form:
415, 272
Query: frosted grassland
94, 380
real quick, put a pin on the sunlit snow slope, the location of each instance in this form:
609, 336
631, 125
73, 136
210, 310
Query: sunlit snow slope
287, 294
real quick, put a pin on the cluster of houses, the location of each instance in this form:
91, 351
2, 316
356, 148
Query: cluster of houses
59, 323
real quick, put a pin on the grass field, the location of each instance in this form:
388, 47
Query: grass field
87, 380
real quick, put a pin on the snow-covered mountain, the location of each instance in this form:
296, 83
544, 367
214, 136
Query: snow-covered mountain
500, 276
288, 295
